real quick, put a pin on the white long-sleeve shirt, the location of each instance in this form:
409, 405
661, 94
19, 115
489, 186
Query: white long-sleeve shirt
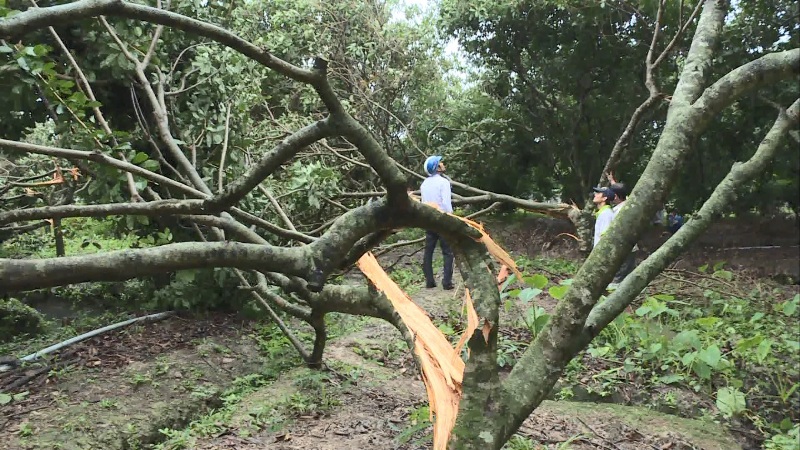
604, 217
436, 189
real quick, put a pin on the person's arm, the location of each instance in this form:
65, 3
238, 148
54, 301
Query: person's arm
610, 176
447, 197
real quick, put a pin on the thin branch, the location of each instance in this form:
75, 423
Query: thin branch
153, 43
102, 159
765, 70
281, 153
159, 112
221, 174
277, 207
288, 333
23, 228
622, 143
677, 36
101, 120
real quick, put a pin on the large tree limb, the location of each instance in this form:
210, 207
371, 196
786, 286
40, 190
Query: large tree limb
701, 53
24, 274
765, 70
540, 366
156, 208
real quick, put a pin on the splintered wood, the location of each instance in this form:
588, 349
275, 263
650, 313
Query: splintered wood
442, 368
442, 365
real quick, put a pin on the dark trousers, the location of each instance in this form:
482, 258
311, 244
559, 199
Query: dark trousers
626, 268
427, 262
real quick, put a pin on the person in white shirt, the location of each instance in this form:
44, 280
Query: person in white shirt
603, 198
436, 189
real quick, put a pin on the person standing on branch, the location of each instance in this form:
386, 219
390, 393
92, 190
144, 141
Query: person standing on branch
436, 190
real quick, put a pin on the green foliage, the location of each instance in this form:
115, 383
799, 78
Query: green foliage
410, 278
418, 431
17, 318
203, 290
546, 103
6, 399
522, 443
789, 440
307, 392
738, 351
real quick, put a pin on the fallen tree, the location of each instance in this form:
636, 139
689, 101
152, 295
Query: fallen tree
229, 235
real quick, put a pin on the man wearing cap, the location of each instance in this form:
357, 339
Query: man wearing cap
603, 198
436, 189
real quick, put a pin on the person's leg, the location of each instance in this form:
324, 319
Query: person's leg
626, 268
427, 259
447, 254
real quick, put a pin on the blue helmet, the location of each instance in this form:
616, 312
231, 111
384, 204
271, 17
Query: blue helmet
431, 164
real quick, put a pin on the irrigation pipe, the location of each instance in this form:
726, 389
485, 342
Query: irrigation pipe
68, 342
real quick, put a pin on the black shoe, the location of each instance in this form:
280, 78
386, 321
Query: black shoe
430, 285
448, 287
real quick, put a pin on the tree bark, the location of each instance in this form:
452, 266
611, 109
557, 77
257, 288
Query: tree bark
58, 234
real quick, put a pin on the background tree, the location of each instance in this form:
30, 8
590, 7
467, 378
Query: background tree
570, 97
290, 267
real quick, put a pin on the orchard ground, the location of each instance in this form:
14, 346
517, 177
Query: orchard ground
224, 381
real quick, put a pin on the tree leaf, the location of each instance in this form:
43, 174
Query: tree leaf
731, 401
746, 344
558, 292
538, 281
529, 294
710, 355
139, 158
185, 276
670, 379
